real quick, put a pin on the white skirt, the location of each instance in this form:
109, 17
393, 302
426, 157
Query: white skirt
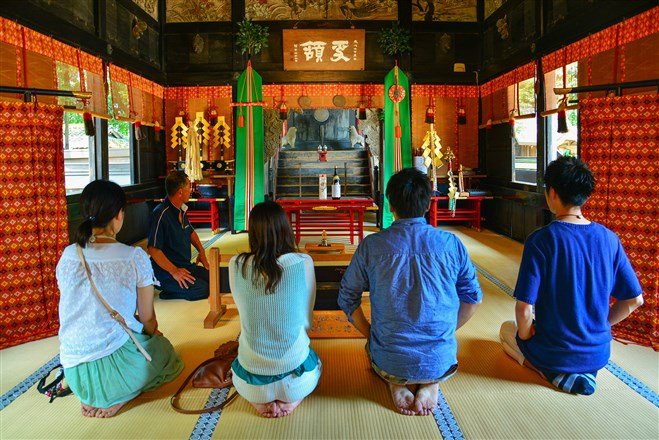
289, 389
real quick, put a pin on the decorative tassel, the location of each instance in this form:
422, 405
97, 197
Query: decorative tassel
241, 121
139, 134
361, 114
88, 120
488, 124
430, 115
283, 112
398, 132
511, 122
156, 131
562, 121
462, 116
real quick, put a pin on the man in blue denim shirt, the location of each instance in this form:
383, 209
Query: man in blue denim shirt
422, 288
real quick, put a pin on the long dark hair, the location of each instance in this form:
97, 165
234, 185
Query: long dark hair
270, 237
100, 202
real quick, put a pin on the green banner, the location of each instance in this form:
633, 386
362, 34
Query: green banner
396, 88
249, 188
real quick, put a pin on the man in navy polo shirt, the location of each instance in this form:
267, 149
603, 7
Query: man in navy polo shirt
170, 236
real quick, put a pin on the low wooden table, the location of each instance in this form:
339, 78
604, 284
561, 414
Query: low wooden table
467, 209
332, 247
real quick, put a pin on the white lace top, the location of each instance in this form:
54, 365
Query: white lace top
87, 332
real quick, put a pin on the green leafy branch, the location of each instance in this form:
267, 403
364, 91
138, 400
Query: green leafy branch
394, 41
252, 37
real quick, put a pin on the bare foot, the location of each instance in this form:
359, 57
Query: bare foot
426, 399
403, 399
285, 408
268, 410
88, 411
104, 413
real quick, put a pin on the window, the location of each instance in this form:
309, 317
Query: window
524, 133
562, 144
78, 154
120, 161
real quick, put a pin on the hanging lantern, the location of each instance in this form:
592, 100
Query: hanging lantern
361, 113
156, 131
88, 121
430, 115
283, 112
212, 115
462, 116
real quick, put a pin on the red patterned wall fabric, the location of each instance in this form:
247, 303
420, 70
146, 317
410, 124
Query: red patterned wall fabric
33, 220
620, 142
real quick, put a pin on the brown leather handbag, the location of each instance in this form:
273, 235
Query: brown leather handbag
212, 373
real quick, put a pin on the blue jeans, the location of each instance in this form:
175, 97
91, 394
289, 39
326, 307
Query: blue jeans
170, 288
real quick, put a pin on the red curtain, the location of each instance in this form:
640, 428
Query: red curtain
33, 220
620, 142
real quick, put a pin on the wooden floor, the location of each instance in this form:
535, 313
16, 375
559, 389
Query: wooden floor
491, 396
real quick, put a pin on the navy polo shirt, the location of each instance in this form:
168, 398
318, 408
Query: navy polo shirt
170, 235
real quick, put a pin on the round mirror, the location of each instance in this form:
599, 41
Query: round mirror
321, 114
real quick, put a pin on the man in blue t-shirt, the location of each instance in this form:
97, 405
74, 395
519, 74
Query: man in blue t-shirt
422, 287
170, 237
569, 270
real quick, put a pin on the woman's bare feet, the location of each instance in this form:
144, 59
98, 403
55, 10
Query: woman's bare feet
104, 413
403, 399
285, 408
88, 411
268, 410
425, 400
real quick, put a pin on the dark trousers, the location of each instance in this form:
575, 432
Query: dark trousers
170, 288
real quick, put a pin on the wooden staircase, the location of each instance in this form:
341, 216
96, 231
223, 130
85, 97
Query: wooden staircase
297, 173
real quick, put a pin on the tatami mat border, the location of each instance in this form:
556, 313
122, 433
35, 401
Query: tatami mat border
27, 383
445, 419
210, 242
206, 424
497, 282
633, 383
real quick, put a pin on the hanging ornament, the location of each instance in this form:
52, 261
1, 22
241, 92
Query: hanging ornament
212, 115
462, 116
562, 118
241, 118
156, 131
283, 112
179, 138
361, 113
183, 115
430, 115
488, 124
88, 120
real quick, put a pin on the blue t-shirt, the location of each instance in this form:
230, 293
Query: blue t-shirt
417, 276
170, 235
569, 272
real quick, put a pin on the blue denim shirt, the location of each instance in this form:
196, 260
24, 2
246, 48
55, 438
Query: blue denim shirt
417, 276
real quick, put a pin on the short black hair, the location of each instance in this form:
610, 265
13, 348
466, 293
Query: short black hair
409, 193
572, 180
175, 181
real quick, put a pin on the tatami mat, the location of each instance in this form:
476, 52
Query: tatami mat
491, 396
349, 403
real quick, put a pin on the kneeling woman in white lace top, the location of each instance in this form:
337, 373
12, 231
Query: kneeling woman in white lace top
274, 288
102, 365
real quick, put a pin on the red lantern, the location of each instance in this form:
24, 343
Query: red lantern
283, 112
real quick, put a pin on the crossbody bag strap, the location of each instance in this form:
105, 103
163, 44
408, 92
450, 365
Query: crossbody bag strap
113, 313
174, 399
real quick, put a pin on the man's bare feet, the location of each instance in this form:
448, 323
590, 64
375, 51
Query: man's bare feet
425, 400
403, 399
104, 413
268, 410
285, 408
88, 411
